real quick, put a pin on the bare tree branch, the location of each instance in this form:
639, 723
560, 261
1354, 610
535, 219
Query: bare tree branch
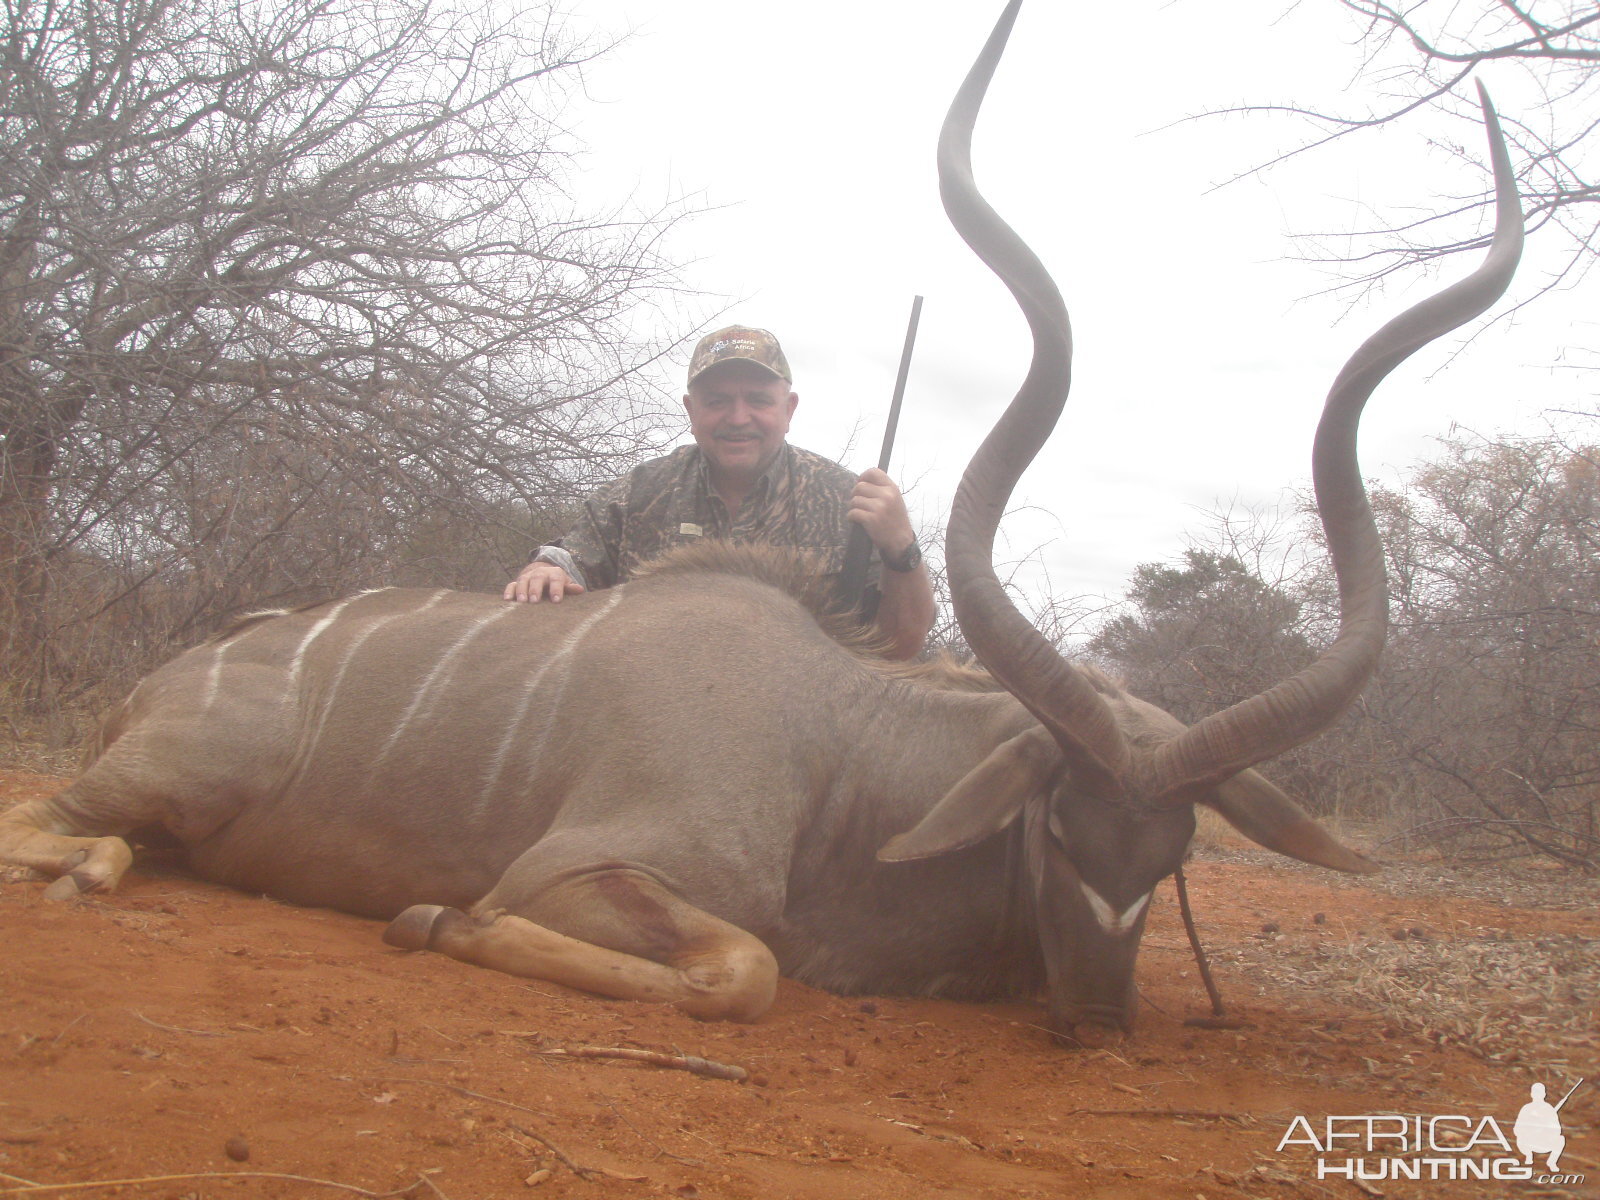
315, 249
1418, 59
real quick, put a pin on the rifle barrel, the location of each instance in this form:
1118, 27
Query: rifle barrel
858, 549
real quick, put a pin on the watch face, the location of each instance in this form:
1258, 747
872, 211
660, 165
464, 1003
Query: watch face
906, 560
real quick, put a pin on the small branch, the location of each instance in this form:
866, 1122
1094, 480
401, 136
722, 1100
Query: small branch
661, 1150
1176, 1114
675, 1062
40, 1189
67, 1027
176, 1028
561, 1155
461, 1091
581, 1172
1217, 1011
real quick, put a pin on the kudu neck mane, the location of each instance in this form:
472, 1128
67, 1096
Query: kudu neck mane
799, 574
802, 576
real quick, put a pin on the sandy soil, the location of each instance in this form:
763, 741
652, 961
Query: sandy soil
227, 1043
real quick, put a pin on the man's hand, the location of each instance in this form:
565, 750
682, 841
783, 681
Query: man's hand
539, 580
905, 605
879, 508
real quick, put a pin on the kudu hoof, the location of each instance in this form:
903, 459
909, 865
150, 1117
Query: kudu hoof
413, 929
95, 868
72, 885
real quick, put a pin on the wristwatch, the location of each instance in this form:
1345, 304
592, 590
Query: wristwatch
906, 561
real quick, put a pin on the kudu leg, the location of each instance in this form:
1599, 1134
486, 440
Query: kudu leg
37, 834
76, 834
626, 936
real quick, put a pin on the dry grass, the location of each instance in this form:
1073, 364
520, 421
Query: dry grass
1522, 1001
45, 745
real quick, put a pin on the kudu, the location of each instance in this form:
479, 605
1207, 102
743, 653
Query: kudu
678, 788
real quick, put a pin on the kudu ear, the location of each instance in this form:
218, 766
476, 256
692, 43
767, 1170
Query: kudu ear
1265, 814
984, 801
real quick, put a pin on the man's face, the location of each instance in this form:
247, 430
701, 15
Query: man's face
739, 414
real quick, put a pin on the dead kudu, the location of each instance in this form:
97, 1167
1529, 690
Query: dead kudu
679, 788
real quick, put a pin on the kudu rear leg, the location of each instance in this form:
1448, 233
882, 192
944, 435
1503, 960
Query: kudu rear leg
145, 779
623, 935
43, 835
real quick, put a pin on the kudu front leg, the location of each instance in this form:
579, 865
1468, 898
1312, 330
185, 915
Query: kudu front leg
624, 935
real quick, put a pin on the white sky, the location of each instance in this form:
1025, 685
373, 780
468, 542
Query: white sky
809, 131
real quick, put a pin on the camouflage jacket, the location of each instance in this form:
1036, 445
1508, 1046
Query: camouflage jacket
799, 501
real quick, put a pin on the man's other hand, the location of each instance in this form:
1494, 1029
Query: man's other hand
541, 580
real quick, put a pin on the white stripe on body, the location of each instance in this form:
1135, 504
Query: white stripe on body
213, 686
349, 654
263, 614
439, 675
305, 643
213, 679
530, 690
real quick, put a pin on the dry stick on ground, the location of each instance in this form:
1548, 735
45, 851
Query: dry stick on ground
1219, 1018
461, 1091
177, 1028
675, 1062
661, 1151
41, 1189
580, 1172
1175, 1114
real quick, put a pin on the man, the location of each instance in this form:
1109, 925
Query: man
743, 481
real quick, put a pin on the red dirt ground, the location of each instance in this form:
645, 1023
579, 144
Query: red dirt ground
226, 1042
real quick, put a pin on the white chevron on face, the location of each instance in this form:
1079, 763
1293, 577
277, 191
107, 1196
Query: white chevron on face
1110, 920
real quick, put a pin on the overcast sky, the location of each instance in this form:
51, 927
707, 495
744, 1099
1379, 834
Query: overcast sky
807, 132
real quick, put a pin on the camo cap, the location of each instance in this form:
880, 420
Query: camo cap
740, 341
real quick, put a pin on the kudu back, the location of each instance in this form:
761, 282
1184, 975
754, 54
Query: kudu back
675, 789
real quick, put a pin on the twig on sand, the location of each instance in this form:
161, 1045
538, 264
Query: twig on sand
579, 1171
177, 1028
661, 1151
675, 1062
470, 1094
1218, 1013
1174, 1114
561, 1155
41, 1189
